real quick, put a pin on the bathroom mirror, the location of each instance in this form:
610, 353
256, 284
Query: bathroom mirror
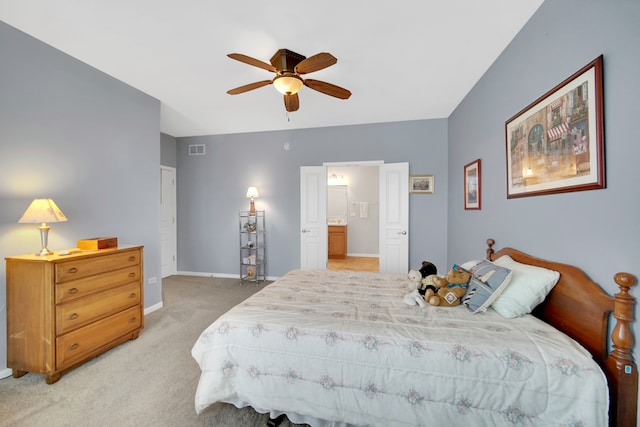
337, 204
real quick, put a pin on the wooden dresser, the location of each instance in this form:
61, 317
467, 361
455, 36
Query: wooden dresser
64, 310
337, 242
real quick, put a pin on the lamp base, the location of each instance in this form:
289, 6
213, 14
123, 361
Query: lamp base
44, 252
44, 237
252, 208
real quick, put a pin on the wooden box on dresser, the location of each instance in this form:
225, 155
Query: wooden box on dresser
65, 309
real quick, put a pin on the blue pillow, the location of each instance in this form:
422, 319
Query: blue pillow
488, 281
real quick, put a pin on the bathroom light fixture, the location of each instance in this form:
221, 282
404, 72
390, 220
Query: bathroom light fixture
252, 192
41, 211
334, 179
287, 83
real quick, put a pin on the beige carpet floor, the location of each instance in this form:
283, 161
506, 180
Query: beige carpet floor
150, 381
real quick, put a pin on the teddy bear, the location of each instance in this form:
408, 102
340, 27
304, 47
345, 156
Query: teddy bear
415, 278
414, 297
428, 269
450, 288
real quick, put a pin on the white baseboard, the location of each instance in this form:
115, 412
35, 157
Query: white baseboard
365, 255
153, 308
5, 373
205, 274
221, 275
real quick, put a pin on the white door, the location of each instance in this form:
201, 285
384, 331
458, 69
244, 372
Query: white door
394, 217
168, 231
313, 217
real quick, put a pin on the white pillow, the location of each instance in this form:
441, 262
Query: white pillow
529, 286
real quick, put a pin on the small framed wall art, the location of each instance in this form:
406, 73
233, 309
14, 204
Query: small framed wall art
472, 188
421, 184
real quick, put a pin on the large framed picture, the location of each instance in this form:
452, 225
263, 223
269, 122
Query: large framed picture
556, 144
421, 184
472, 186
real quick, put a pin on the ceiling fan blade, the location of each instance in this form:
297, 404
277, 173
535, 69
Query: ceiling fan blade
291, 102
250, 86
315, 63
327, 88
252, 61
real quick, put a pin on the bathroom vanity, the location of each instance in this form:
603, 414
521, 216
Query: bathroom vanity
337, 241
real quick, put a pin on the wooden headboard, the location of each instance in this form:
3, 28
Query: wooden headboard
578, 307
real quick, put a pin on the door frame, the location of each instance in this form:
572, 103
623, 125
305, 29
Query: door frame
173, 269
323, 202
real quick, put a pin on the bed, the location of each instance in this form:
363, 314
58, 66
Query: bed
343, 348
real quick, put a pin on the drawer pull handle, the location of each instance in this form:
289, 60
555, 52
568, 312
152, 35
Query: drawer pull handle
132, 274
73, 316
72, 346
72, 270
132, 295
73, 291
132, 258
133, 320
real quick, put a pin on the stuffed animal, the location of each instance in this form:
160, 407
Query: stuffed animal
415, 296
450, 289
428, 269
419, 282
414, 280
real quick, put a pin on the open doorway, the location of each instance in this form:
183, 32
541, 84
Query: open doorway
393, 233
353, 219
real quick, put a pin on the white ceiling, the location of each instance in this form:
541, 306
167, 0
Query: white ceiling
402, 59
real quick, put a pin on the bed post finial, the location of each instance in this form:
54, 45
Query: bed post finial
624, 390
490, 243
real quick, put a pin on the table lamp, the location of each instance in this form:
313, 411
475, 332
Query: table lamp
41, 211
253, 193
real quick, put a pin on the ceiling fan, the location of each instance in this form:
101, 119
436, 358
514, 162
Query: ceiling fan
288, 67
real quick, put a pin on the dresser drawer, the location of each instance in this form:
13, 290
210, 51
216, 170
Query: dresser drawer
75, 289
75, 346
79, 312
84, 267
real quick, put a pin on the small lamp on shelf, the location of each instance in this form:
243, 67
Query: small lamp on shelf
252, 192
41, 211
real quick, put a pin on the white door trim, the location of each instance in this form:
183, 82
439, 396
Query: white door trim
168, 222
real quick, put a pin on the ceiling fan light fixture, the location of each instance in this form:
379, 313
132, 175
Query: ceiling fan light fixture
288, 84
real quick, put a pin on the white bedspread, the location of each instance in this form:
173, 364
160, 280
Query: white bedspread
344, 347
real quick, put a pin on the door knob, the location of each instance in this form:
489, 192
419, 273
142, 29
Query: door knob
404, 232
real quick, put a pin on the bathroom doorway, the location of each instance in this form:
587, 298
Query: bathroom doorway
353, 207
393, 211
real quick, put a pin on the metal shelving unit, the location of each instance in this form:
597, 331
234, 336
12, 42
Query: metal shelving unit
253, 260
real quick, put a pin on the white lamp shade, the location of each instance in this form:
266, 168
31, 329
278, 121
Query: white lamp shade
252, 192
42, 210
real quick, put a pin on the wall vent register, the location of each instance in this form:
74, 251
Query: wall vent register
197, 150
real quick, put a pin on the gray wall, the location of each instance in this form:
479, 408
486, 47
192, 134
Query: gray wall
212, 188
168, 150
596, 230
88, 141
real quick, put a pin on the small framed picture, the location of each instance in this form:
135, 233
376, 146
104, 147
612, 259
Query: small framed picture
472, 197
421, 184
